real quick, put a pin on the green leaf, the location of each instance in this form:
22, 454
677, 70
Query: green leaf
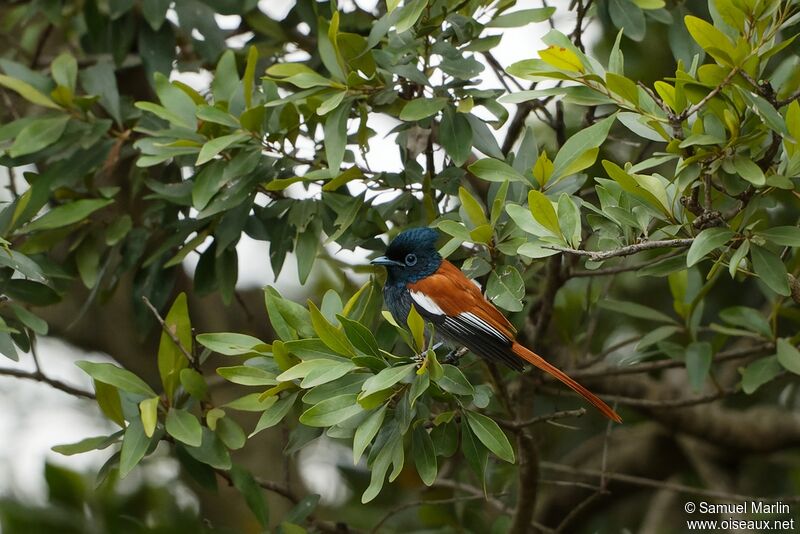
306, 249
217, 116
785, 236
184, 427
230, 433
298, 74
543, 211
134, 445
706, 241
232, 344
624, 87
38, 135
252, 493
453, 381
749, 170
424, 455
327, 44
747, 318
112, 375
247, 375
788, 356
155, 12
759, 372
493, 170
27, 91
275, 413
335, 130
88, 444
249, 75
360, 336
67, 214
386, 379
635, 310
698, 363
251, 403
149, 412
506, 288
171, 359
416, 325
367, 431
421, 108
769, 267
476, 454
7, 347
109, 401
64, 69
628, 17
455, 136
569, 220
523, 17
100, 80
580, 143
211, 451
710, 39
317, 372
217, 145
331, 411
379, 467
176, 101
30, 320
409, 15
288, 318
194, 383
487, 431
472, 208
334, 338
648, 188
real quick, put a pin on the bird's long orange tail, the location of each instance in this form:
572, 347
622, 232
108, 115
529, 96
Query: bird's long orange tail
544, 365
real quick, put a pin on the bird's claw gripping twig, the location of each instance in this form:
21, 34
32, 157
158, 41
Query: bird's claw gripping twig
420, 357
454, 355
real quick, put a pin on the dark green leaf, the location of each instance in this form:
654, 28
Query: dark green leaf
769, 267
112, 375
251, 491
184, 427
424, 455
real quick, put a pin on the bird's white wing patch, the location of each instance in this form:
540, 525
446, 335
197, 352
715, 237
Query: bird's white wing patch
476, 322
426, 303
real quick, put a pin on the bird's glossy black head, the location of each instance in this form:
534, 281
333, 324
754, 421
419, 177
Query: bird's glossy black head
411, 256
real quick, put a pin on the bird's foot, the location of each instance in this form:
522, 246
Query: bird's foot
420, 358
454, 356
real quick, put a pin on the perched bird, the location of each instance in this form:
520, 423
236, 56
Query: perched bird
418, 276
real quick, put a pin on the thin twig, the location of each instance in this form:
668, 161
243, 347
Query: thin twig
669, 486
564, 414
624, 251
672, 403
405, 506
57, 384
714, 92
167, 330
647, 367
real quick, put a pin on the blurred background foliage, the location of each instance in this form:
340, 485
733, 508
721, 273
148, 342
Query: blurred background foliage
626, 192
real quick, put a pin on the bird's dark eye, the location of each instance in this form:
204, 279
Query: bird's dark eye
411, 259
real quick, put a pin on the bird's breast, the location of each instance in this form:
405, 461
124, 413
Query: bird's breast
398, 301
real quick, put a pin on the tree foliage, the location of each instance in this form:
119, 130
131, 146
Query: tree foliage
631, 229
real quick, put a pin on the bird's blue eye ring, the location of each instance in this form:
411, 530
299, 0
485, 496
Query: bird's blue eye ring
411, 259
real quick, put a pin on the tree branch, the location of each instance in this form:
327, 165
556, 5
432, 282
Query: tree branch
167, 330
660, 484
41, 377
623, 251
